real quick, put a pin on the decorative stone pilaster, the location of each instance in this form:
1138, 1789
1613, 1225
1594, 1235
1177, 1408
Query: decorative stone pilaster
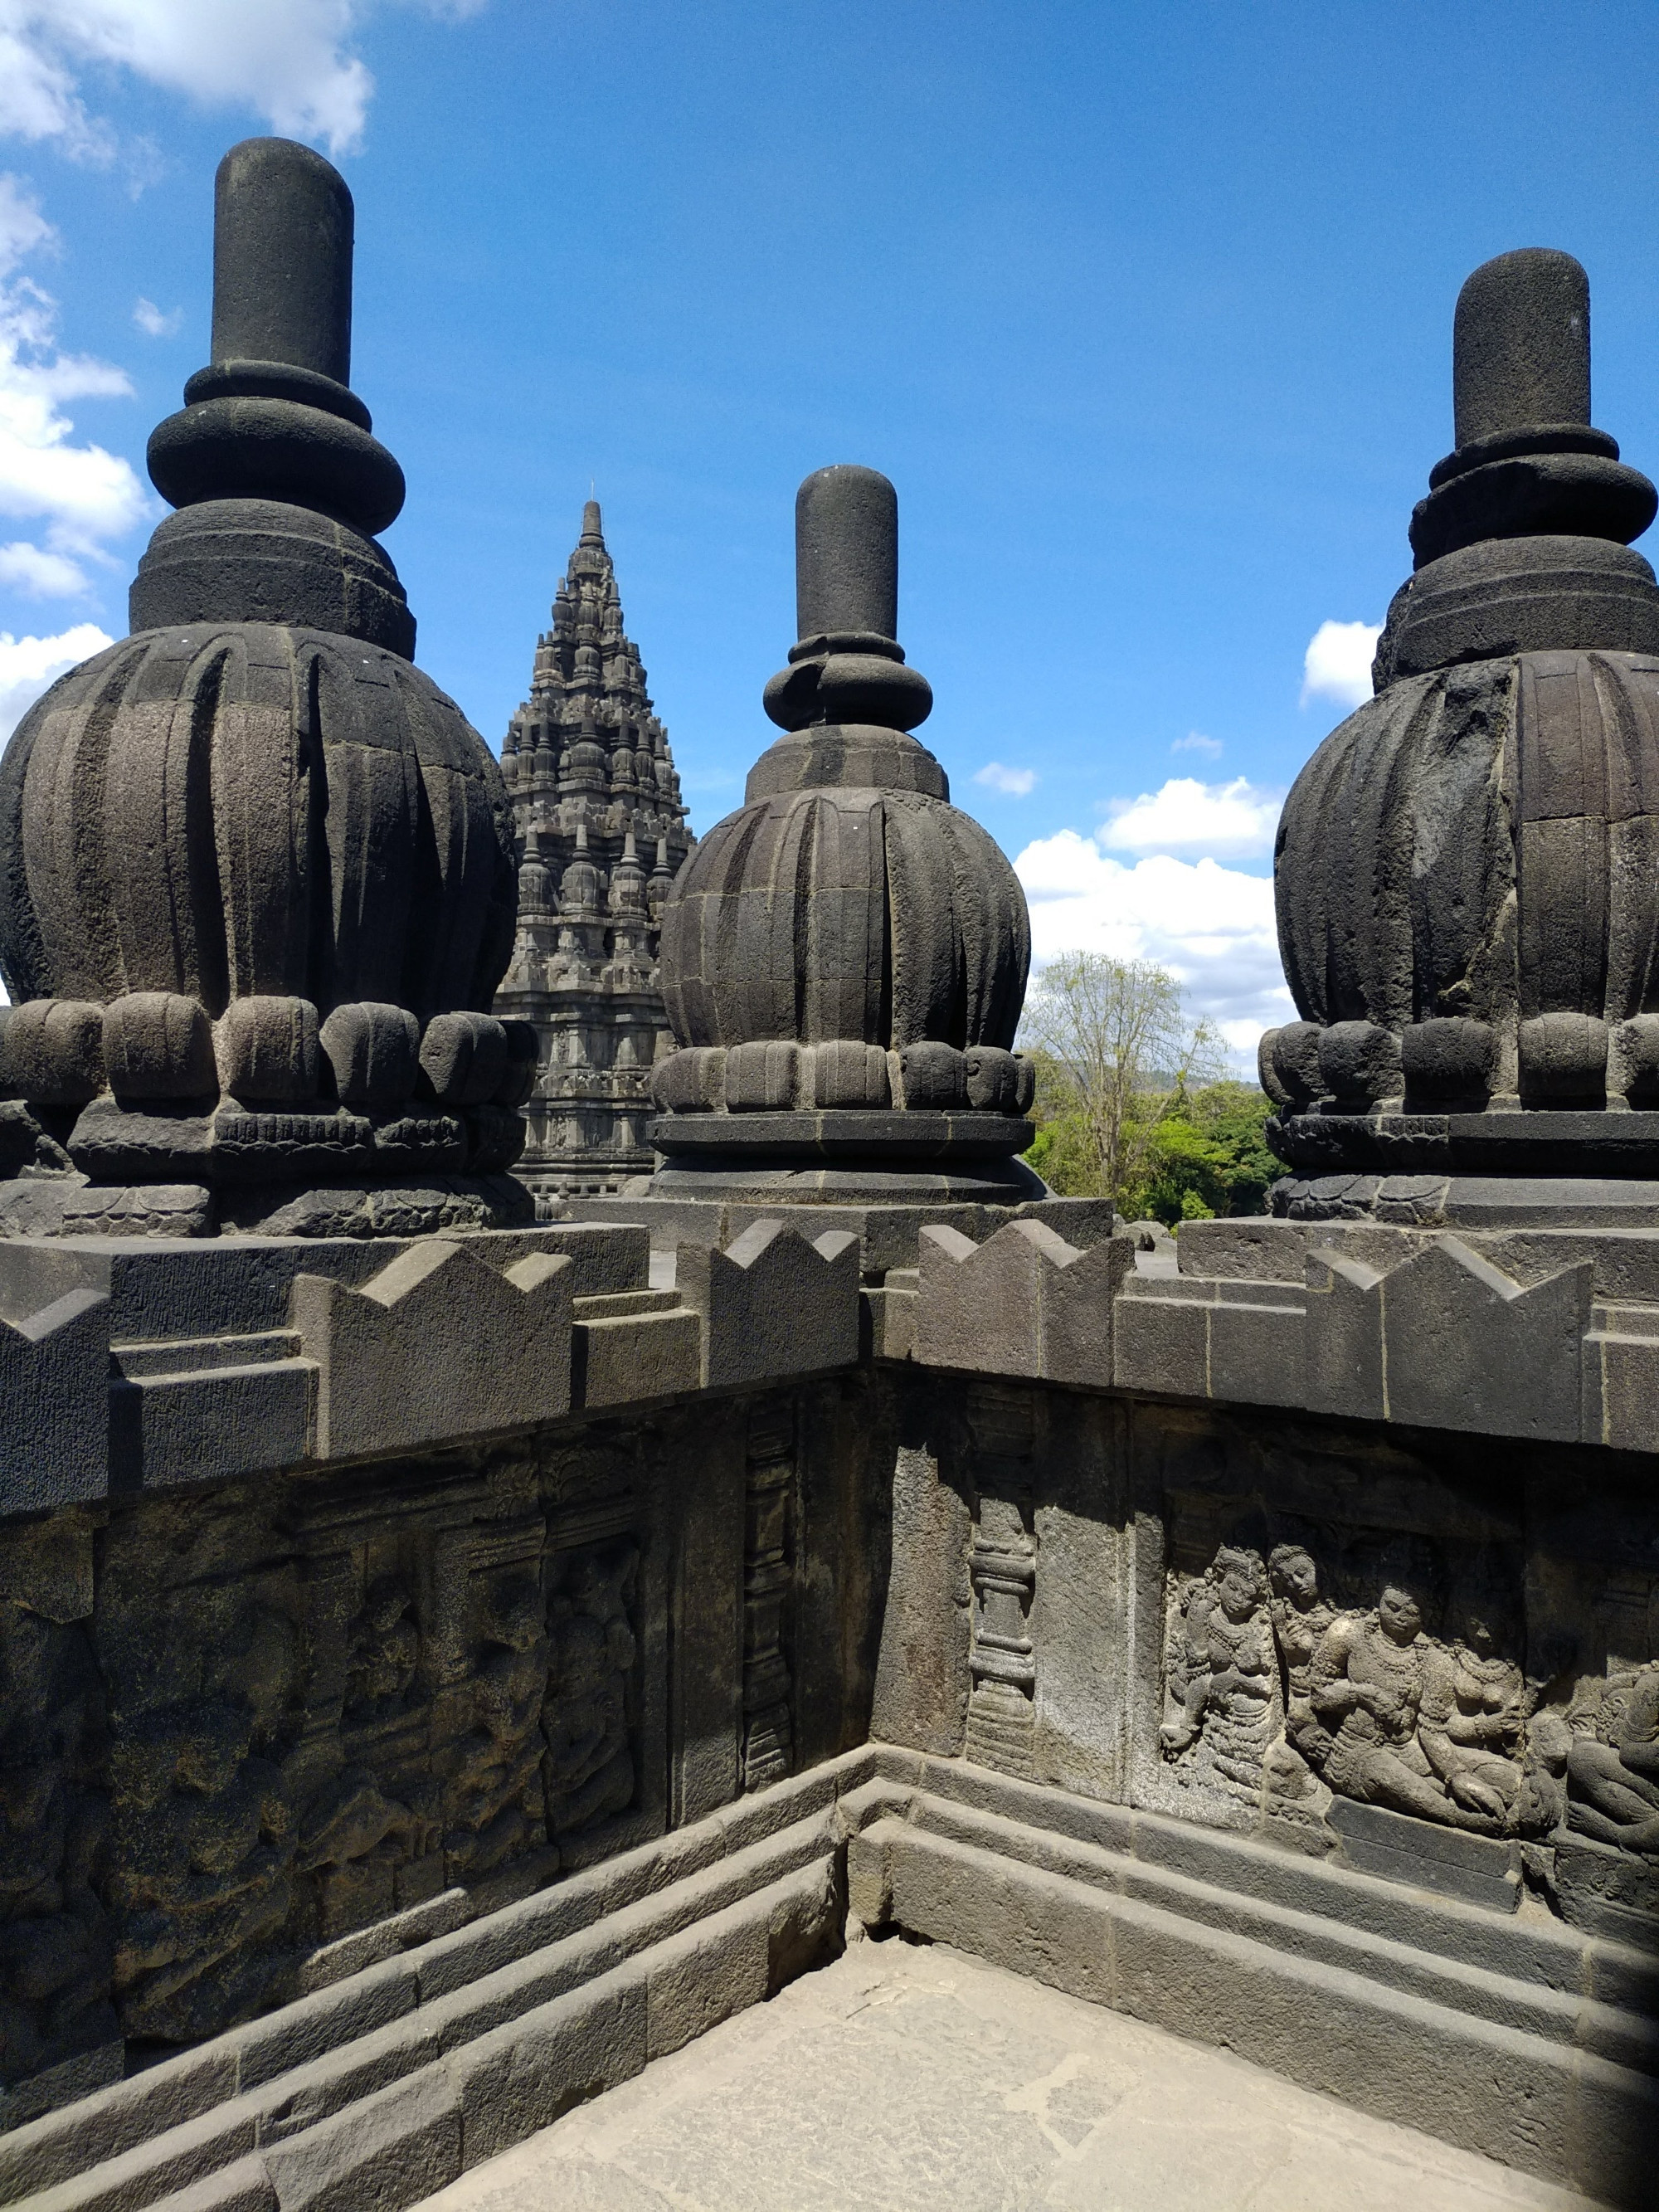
768, 1746
1002, 1571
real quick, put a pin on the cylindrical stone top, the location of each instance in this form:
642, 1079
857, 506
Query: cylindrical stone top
282, 259
1521, 345
846, 553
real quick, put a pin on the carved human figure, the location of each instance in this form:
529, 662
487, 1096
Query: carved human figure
1612, 1774
1473, 1709
1366, 1688
1223, 1672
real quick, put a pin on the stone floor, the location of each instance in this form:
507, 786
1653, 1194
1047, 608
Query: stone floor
904, 2078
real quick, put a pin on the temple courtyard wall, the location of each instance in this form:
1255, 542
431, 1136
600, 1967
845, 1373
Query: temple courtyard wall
374, 1808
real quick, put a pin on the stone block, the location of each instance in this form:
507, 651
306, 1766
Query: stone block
891, 1308
1607, 1891
921, 1669
379, 2155
209, 1422
401, 1932
1342, 1352
1480, 1870
52, 1051
931, 1076
1257, 1345
113, 2121
54, 1384
848, 1074
1023, 1303
706, 1973
465, 1058
1622, 1380
267, 1049
763, 1078
634, 1345
1163, 1345
437, 1346
244, 2185
1468, 1347
774, 1305
522, 2076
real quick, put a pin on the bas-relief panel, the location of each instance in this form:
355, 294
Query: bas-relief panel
235, 1727
1359, 1623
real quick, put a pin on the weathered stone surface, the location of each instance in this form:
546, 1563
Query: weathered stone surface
437, 1345
772, 1303
1453, 865
253, 812
847, 908
1007, 2093
1023, 1303
54, 1371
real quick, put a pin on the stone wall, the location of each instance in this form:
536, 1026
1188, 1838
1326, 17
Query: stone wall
1431, 1656
242, 1724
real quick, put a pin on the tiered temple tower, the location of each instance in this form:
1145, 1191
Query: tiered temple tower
601, 834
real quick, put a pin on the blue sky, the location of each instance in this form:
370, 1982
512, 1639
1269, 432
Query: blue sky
1146, 311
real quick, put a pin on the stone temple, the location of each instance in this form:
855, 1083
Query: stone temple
453, 1663
600, 834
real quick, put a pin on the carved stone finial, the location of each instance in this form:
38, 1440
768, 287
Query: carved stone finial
844, 958
847, 665
1521, 542
1467, 905
1520, 357
255, 871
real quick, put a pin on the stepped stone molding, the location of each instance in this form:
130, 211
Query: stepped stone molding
255, 871
601, 834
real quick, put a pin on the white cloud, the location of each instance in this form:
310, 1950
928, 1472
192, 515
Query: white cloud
39, 574
1211, 926
289, 61
1184, 814
1012, 783
1196, 742
80, 495
153, 322
28, 665
1338, 663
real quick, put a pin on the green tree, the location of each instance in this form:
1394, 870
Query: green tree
1116, 1058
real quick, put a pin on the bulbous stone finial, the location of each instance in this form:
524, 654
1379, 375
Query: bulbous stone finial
1521, 545
1466, 903
282, 222
844, 958
1520, 357
255, 871
281, 485
847, 667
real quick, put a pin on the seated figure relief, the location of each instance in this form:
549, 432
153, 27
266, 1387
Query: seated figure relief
1613, 1764
1301, 1619
1470, 1723
1368, 1678
1222, 1670
1279, 1691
